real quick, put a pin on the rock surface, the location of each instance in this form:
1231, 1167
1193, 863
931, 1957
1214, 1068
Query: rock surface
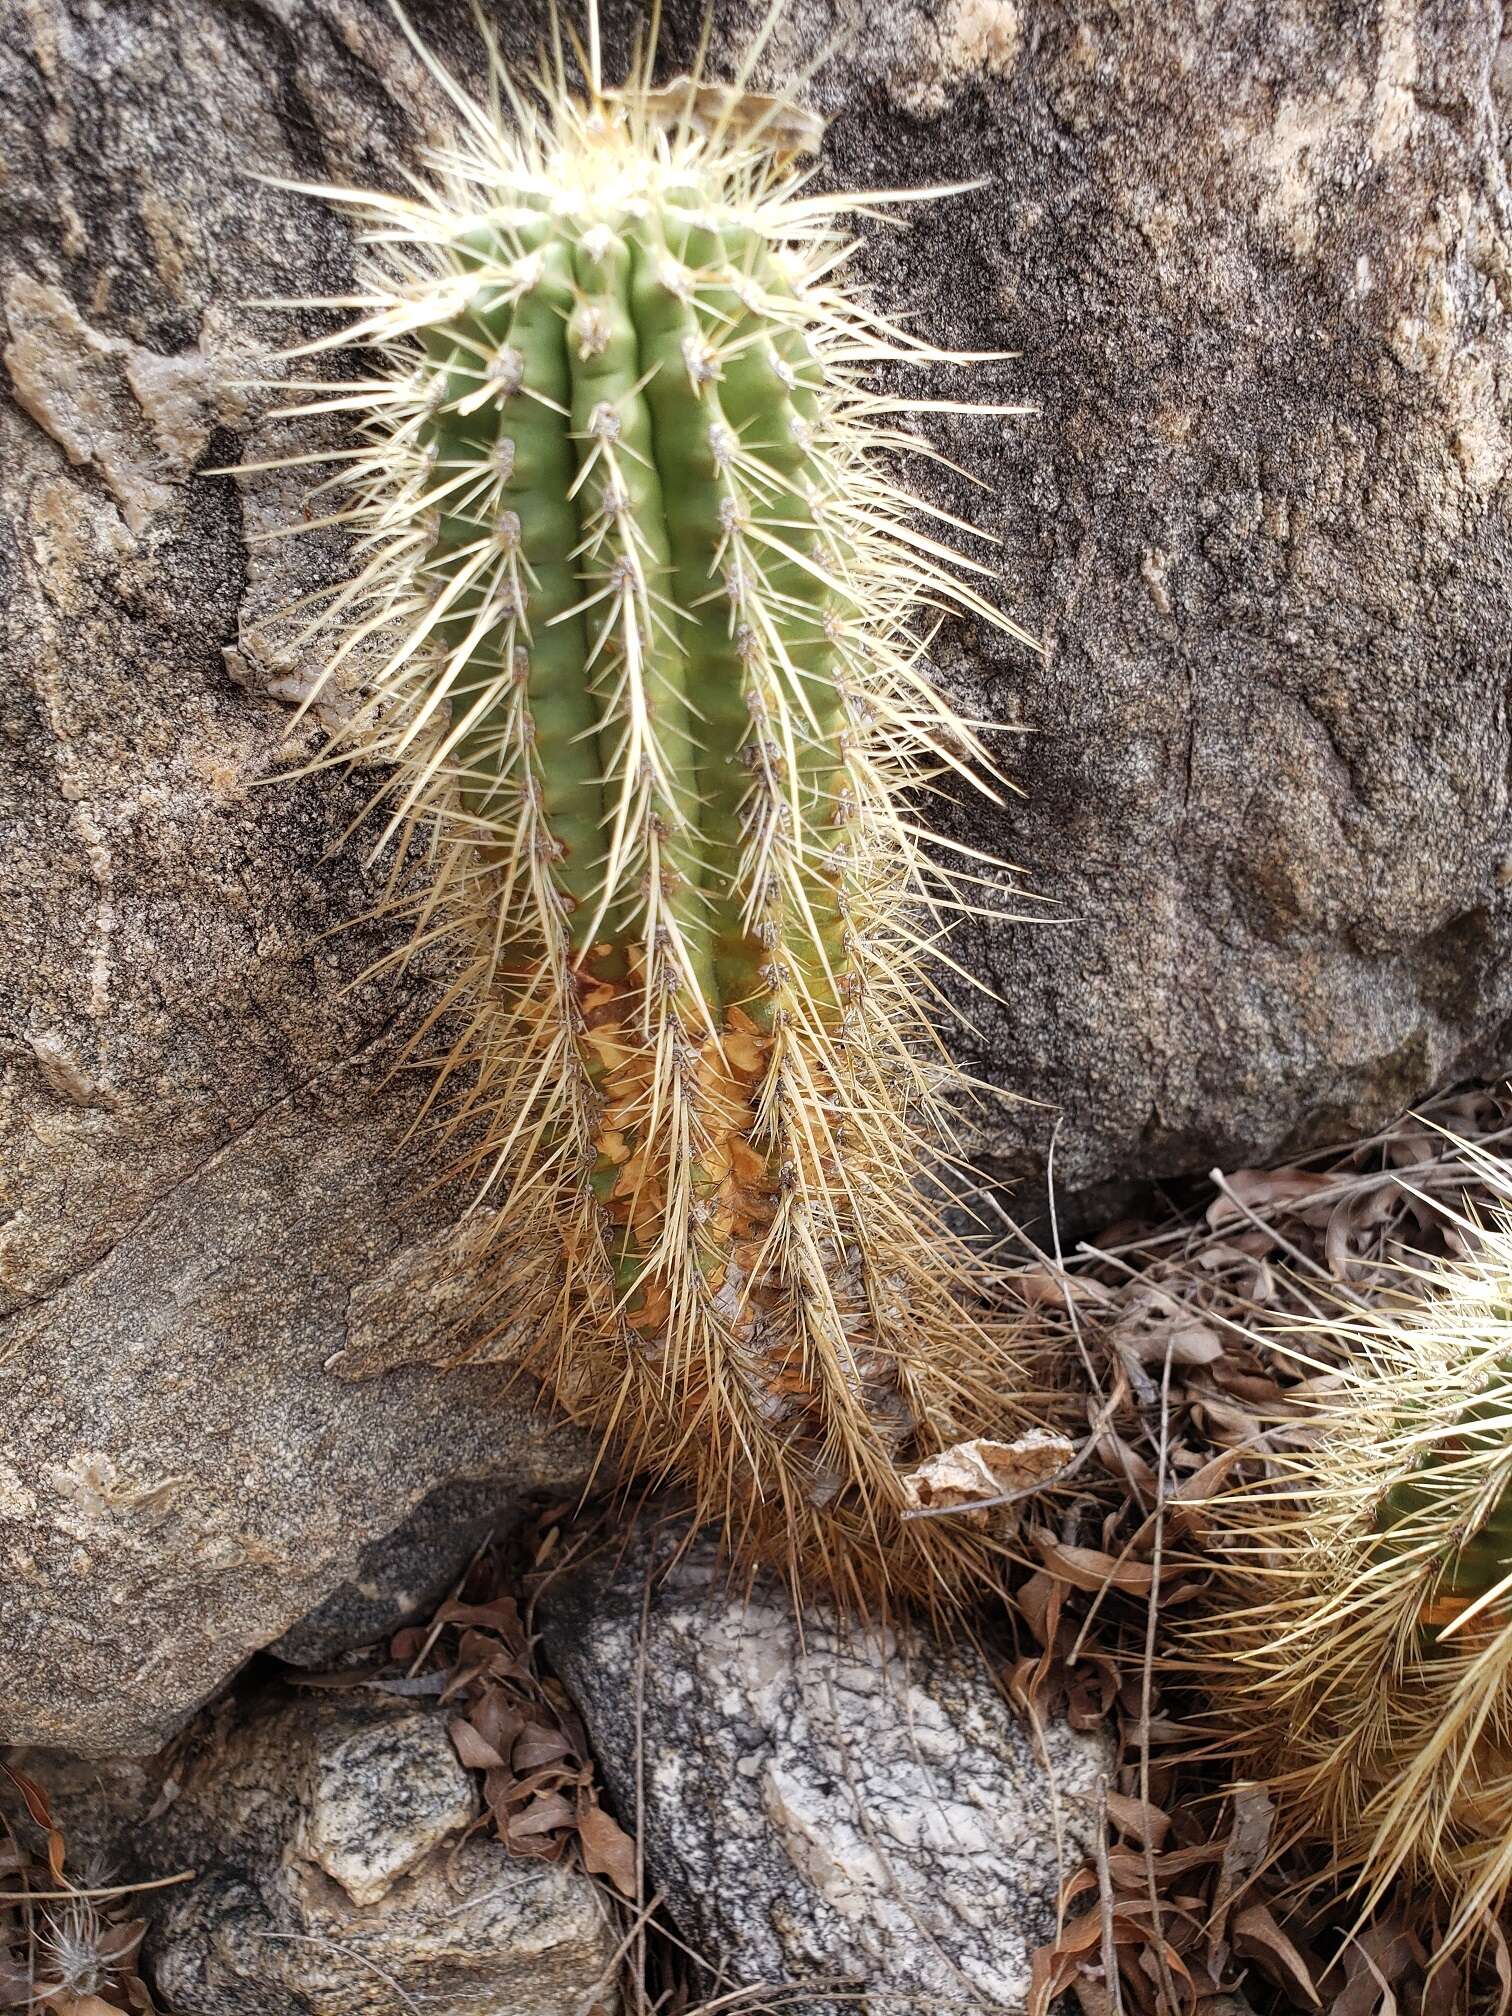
189, 1477
333, 1877
821, 1812
1256, 257
399, 1578
1256, 261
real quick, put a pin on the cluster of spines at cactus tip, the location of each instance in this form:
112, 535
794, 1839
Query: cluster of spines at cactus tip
636, 621
1357, 1641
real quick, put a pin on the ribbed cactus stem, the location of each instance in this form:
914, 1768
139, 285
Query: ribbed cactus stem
647, 592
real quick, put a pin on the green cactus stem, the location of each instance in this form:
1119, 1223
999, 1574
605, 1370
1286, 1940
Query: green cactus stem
638, 611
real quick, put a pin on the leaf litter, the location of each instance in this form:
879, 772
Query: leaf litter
1187, 1901
1186, 1909
68, 1944
514, 1726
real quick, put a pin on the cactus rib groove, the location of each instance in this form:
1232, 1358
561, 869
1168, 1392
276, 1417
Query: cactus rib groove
636, 625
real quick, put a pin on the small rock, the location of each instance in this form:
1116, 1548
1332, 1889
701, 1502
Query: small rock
502, 1938
399, 1770
336, 1873
819, 1808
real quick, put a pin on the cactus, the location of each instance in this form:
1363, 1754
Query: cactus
638, 606
1356, 1644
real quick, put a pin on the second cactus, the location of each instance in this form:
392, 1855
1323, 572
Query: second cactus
1356, 1644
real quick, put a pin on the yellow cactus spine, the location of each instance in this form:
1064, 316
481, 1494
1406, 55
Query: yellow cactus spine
639, 598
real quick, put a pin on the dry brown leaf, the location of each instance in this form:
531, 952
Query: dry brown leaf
541, 1816
116, 1942
1040, 1601
1260, 1189
1240, 1251
1227, 1426
1091, 1690
1089, 1568
481, 1652
1374, 1960
1180, 1336
1255, 1935
607, 1849
1051, 1973
497, 1719
1502, 1956
1145, 1822
459, 1680
1243, 1853
1038, 1285
551, 1778
1204, 1481
475, 1752
1121, 1459
500, 1793
537, 1745
969, 1472
1079, 1936
1149, 1964
1443, 1990
1354, 1217
36, 1805
1129, 1871
501, 1616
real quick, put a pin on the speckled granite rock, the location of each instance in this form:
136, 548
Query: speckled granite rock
399, 1577
190, 1476
1255, 258
332, 1874
829, 1811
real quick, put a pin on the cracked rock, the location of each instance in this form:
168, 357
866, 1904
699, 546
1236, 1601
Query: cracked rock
821, 1809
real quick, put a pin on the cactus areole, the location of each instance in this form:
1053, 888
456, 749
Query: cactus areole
636, 623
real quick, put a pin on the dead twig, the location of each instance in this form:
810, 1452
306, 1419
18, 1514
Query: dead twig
1147, 1683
